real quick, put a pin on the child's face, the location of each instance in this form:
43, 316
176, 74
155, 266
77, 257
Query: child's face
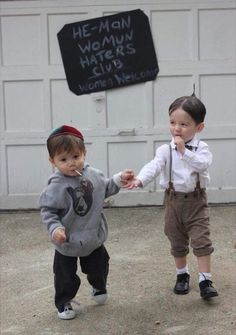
182, 124
68, 162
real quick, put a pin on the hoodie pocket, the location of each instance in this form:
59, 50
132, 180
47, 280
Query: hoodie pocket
83, 243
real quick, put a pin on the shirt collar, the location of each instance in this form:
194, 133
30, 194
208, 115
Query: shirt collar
193, 142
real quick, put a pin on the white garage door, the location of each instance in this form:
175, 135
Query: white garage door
195, 43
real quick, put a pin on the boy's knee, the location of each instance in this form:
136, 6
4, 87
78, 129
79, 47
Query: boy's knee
203, 251
179, 252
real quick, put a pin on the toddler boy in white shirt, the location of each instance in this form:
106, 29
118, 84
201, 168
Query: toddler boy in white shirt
183, 169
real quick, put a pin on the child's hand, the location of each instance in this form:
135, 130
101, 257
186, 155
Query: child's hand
59, 236
134, 183
129, 180
180, 145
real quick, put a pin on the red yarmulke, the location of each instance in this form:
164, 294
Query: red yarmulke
66, 130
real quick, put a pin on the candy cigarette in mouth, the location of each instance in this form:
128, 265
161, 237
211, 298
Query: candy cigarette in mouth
79, 173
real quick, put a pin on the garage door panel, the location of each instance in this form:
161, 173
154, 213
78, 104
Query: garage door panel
218, 93
126, 154
67, 108
172, 34
24, 173
126, 108
24, 106
224, 177
93, 155
21, 36
217, 34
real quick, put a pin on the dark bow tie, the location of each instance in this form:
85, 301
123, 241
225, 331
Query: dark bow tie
190, 147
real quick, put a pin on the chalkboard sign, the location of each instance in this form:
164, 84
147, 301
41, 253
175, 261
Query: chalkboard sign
108, 52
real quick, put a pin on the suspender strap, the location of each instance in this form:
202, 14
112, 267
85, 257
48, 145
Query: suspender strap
171, 185
170, 167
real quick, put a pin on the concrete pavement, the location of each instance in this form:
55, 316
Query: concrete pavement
142, 275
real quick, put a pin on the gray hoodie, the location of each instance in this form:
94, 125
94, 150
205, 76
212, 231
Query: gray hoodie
76, 204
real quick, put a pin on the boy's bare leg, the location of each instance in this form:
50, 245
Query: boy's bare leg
204, 263
180, 262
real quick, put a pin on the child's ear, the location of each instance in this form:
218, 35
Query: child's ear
51, 161
200, 127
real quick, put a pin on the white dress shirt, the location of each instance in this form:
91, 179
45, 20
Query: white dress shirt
184, 167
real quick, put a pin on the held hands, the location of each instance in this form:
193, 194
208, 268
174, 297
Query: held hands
126, 176
59, 236
134, 183
129, 180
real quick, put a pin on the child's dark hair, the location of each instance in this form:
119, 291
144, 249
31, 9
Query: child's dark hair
191, 105
64, 143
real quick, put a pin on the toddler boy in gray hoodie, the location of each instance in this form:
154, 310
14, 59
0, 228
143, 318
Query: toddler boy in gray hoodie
71, 208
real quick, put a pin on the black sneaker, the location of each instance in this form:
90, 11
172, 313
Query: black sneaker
207, 290
182, 284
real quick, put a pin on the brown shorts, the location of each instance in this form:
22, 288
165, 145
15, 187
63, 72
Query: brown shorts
187, 220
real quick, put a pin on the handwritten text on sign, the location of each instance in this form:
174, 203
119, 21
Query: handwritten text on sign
108, 52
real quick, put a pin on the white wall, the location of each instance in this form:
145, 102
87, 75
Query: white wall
195, 43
